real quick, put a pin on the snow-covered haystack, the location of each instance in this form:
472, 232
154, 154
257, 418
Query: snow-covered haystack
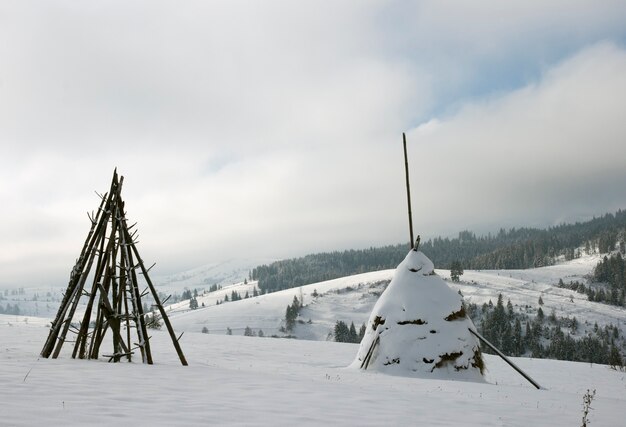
419, 327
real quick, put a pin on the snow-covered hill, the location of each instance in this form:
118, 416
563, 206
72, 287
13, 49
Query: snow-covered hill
351, 299
222, 273
352, 296
234, 380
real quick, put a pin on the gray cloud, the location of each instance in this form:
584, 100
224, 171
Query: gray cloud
555, 148
273, 129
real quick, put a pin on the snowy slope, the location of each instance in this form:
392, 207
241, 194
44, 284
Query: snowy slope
524, 287
352, 298
234, 380
267, 312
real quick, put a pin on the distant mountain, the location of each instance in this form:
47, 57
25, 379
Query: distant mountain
514, 248
220, 273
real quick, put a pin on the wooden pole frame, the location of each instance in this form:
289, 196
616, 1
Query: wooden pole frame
112, 248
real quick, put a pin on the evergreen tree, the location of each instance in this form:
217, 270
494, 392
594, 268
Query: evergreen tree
353, 337
540, 315
362, 332
153, 321
456, 271
518, 342
342, 332
291, 314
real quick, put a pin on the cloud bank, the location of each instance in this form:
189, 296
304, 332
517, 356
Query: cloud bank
274, 129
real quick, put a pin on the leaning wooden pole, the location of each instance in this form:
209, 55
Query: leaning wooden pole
75, 278
159, 305
506, 359
408, 191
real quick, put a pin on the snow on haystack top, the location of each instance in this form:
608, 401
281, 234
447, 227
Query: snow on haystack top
418, 327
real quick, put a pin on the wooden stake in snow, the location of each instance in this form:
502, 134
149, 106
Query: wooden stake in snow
112, 248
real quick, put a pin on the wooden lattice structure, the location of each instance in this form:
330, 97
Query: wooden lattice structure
114, 298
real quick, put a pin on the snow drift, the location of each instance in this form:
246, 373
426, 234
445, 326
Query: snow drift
418, 327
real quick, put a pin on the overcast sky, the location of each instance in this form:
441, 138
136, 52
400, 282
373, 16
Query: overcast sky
266, 129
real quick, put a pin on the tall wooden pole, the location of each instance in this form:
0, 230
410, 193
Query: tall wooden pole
408, 191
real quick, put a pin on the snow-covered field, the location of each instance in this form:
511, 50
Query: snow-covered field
236, 380
239, 380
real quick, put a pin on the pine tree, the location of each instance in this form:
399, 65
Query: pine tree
518, 342
362, 332
509, 309
153, 321
456, 270
353, 337
540, 314
342, 332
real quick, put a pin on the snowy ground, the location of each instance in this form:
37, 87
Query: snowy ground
238, 380
235, 380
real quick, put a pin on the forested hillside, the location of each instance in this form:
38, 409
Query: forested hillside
508, 249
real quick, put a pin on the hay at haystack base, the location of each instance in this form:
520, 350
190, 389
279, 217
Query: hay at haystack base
114, 293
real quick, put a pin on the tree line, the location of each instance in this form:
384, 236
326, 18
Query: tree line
516, 248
